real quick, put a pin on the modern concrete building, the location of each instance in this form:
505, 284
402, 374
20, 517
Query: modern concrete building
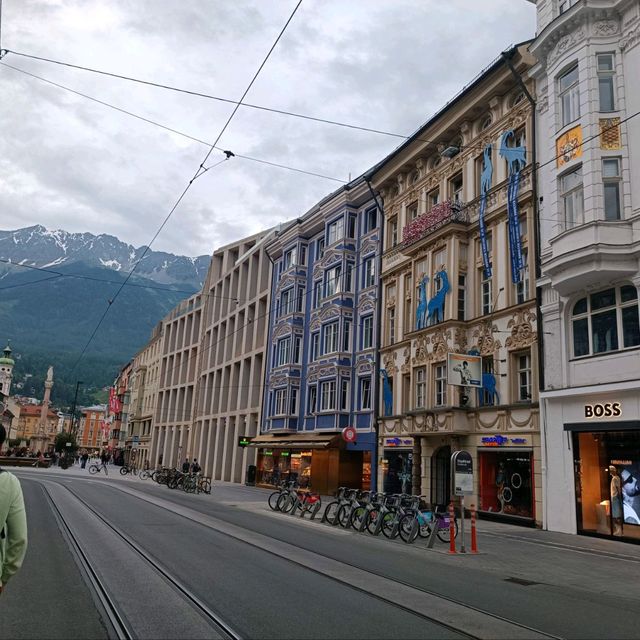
458, 287
588, 124
320, 371
230, 365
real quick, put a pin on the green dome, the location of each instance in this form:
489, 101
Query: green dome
7, 357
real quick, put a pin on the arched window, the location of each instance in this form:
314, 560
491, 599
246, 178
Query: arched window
606, 321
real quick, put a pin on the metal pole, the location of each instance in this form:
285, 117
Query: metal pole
462, 547
73, 409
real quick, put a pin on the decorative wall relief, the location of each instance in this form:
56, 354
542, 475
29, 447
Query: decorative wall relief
389, 360
522, 333
440, 344
569, 146
420, 347
486, 344
610, 138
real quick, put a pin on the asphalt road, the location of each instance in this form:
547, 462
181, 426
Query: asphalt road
272, 576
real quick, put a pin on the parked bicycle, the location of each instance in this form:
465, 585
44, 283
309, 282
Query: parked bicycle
421, 523
125, 469
96, 467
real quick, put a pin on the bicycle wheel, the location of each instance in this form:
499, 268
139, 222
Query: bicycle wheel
172, 483
444, 532
344, 516
372, 521
331, 512
123, 471
205, 485
285, 503
408, 528
144, 475
388, 522
93, 469
358, 516
273, 500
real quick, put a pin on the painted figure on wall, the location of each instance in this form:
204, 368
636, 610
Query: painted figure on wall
386, 393
421, 311
436, 304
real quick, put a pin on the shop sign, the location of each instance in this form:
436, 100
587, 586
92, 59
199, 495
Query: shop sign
349, 434
243, 441
607, 410
267, 453
284, 454
398, 442
500, 441
462, 473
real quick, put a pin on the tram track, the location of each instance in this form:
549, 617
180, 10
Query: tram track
116, 618
522, 629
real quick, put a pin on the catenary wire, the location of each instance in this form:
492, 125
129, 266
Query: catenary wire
201, 169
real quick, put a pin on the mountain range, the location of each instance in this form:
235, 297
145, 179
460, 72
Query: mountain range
49, 317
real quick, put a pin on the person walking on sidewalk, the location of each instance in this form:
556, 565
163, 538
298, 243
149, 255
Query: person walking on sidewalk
13, 523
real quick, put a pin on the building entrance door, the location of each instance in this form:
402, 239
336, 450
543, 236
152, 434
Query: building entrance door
441, 476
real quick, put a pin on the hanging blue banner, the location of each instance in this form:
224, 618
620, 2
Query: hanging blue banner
485, 185
516, 160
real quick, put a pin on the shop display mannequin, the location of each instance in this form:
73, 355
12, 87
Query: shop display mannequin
616, 501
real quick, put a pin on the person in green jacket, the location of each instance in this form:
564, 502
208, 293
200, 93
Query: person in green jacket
13, 523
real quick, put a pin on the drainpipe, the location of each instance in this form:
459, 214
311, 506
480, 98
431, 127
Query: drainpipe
536, 230
376, 404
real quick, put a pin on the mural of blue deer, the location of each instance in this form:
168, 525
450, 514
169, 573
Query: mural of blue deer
386, 393
488, 391
421, 310
435, 307
516, 157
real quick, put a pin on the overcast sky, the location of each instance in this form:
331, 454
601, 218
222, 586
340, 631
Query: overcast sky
69, 163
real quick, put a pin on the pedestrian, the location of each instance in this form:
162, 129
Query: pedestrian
84, 457
13, 523
185, 466
195, 467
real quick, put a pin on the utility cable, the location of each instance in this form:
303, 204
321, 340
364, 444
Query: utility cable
201, 169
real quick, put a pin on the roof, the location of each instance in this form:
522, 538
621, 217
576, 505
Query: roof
34, 410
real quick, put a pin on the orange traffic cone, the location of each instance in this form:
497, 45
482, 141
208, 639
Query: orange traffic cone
452, 529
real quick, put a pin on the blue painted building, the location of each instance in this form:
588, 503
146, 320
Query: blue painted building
321, 350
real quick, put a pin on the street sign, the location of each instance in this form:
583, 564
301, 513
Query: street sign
461, 473
243, 441
67, 444
349, 434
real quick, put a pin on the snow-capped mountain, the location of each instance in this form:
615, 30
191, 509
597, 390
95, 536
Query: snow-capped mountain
37, 246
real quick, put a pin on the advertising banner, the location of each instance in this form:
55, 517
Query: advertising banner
464, 370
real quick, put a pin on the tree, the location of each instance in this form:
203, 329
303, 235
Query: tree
61, 442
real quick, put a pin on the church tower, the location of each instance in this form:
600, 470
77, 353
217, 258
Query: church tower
6, 371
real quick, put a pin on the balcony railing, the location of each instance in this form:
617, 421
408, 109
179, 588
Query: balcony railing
440, 215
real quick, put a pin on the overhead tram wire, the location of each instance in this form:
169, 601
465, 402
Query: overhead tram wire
200, 171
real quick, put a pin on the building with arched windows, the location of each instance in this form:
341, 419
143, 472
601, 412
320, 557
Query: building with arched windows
588, 125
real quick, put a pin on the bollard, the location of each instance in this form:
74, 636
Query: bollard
452, 529
474, 538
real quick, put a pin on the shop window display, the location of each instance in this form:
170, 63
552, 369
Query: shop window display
505, 483
396, 471
607, 468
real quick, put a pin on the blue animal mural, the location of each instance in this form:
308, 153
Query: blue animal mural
421, 310
386, 393
487, 170
516, 157
435, 308
488, 388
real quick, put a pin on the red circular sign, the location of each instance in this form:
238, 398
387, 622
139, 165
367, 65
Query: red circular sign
349, 434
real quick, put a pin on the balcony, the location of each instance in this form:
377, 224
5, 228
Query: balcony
440, 215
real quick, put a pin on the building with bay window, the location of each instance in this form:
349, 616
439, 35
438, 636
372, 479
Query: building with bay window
589, 186
320, 368
458, 287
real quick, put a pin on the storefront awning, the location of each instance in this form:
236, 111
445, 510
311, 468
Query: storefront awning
293, 441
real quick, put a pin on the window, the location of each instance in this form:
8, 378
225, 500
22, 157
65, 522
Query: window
439, 261
369, 272
569, 94
312, 400
351, 229
370, 220
485, 293
315, 346
391, 324
433, 198
332, 284
331, 338
293, 401
522, 287
300, 300
412, 212
571, 198
408, 316
303, 254
348, 278
440, 379
317, 293
328, 395
284, 351
455, 188
289, 259
286, 302
462, 296
346, 337
344, 394
335, 231
365, 393
421, 388
393, 232
320, 247
523, 369
601, 319
297, 350
367, 332
611, 186
279, 402
606, 71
